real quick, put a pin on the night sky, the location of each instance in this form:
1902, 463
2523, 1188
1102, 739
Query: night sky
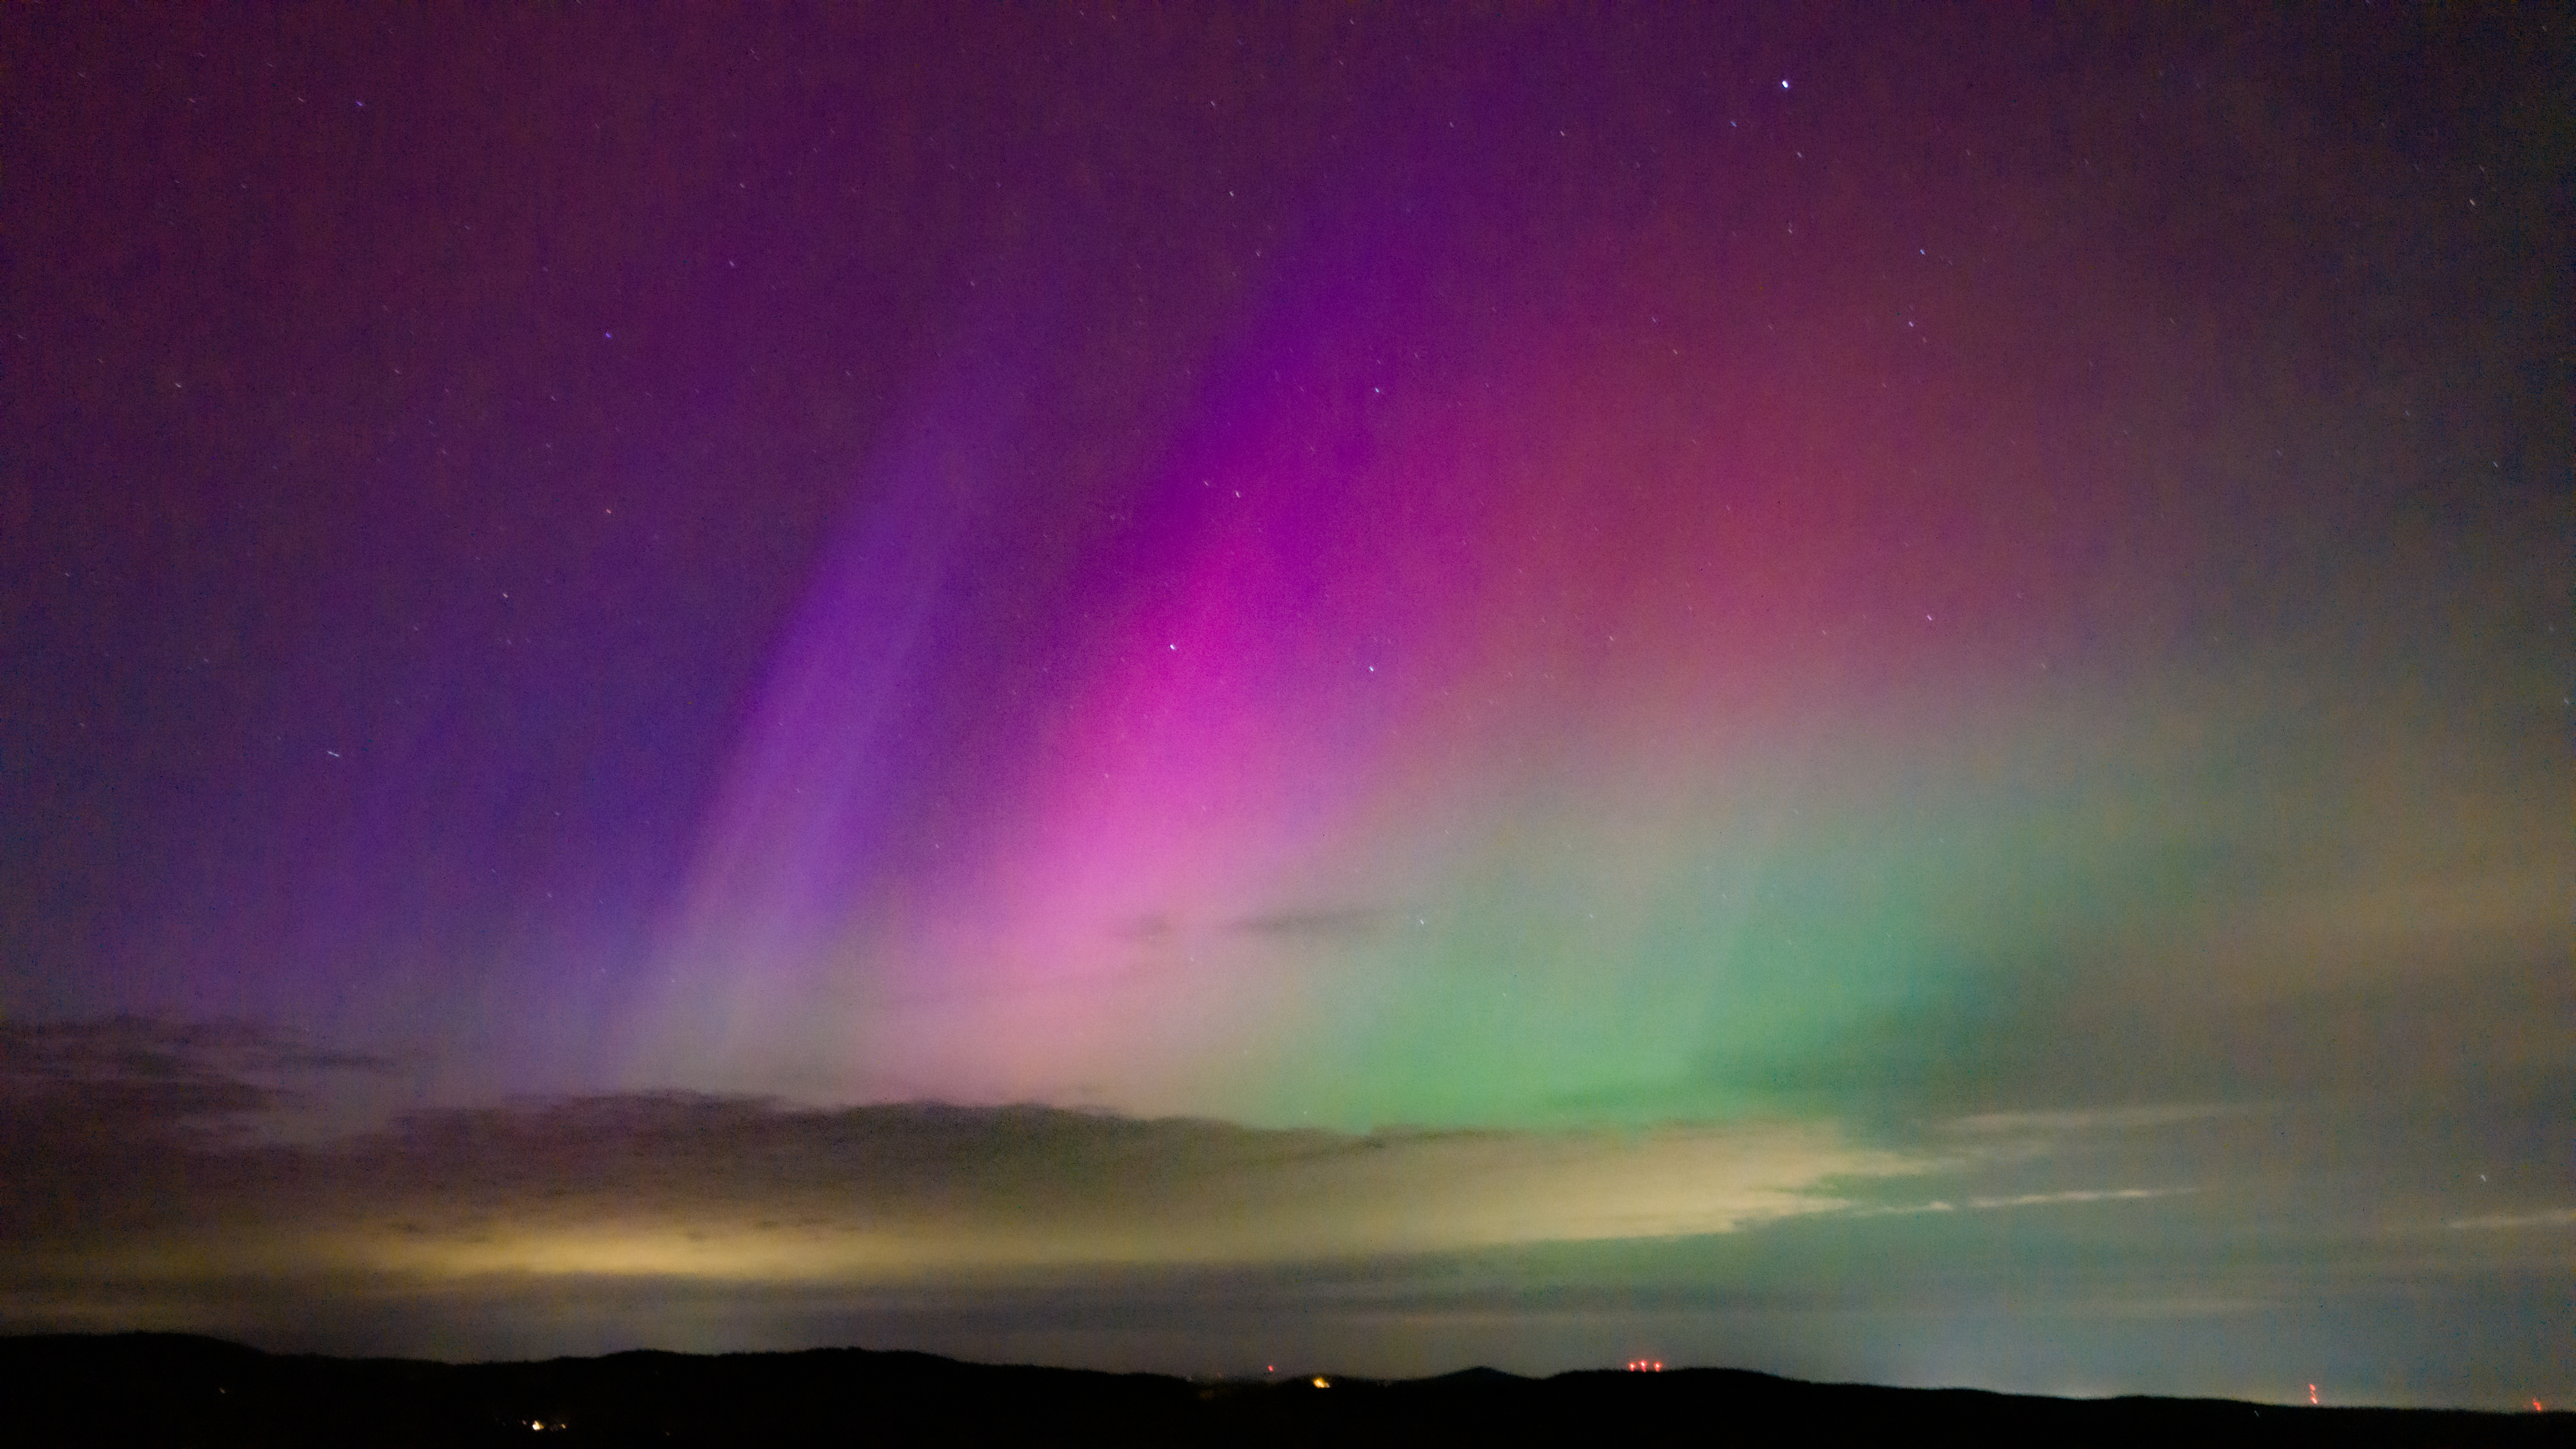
1881, 694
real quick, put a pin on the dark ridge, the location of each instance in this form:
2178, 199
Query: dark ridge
179, 1389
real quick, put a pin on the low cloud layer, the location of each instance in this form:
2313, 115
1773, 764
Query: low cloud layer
159, 1178
145, 1161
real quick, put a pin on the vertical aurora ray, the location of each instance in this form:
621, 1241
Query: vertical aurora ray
1472, 721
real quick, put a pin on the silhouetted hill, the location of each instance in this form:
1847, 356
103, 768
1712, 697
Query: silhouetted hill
176, 1389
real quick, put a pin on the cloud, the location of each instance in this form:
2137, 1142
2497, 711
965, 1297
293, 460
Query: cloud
726, 1187
2097, 1119
2547, 1218
2027, 1199
123, 1128
129, 1086
157, 1075
1326, 924
678, 1219
750, 1190
2116, 1194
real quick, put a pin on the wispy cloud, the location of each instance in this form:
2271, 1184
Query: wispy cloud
1336, 923
2116, 1194
2546, 1218
2027, 1199
2097, 1119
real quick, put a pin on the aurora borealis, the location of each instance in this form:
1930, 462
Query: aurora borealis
1859, 692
